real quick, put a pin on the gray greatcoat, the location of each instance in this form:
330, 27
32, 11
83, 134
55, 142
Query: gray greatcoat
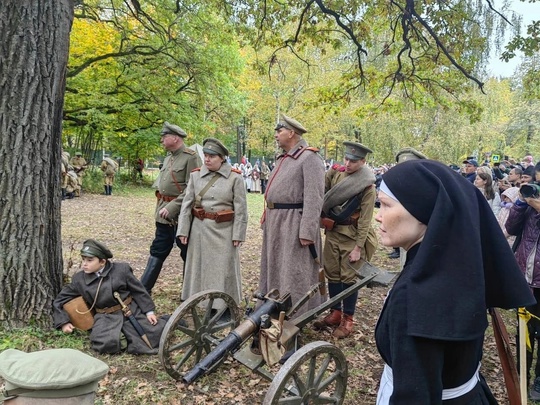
285, 263
212, 260
106, 332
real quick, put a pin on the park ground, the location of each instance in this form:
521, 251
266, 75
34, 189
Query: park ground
124, 221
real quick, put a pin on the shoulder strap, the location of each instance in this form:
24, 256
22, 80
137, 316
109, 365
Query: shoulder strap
199, 196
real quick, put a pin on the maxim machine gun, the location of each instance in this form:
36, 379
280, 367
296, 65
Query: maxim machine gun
206, 329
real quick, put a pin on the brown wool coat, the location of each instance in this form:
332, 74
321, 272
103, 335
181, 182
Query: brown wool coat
106, 332
285, 263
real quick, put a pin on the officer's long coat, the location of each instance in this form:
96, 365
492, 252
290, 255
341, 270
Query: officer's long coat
285, 264
212, 260
106, 332
172, 182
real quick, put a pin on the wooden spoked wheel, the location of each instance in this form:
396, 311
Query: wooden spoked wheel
316, 374
194, 329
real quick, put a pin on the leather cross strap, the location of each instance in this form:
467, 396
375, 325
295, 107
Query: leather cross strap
110, 310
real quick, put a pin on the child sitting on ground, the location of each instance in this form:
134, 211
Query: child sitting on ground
97, 283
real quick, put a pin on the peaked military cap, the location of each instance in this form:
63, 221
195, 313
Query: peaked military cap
290, 123
409, 154
213, 146
78, 154
355, 150
54, 373
170, 129
93, 248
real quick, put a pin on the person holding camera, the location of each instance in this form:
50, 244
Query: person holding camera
524, 222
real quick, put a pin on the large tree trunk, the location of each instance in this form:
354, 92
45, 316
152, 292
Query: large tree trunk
34, 38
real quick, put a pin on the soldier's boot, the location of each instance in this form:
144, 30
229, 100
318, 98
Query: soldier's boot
331, 320
151, 273
106, 190
110, 190
63, 194
345, 328
69, 196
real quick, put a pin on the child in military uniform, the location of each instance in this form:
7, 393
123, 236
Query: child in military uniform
97, 283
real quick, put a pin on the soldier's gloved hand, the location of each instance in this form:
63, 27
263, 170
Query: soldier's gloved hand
67, 327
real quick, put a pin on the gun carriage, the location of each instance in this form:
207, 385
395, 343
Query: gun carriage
196, 340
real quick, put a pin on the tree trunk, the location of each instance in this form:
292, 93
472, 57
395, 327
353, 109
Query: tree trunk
33, 57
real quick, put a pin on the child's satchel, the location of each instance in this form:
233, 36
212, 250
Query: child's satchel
79, 314
224, 216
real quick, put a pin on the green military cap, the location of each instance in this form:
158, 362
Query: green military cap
93, 248
213, 146
290, 123
170, 129
78, 154
54, 373
409, 154
355, 150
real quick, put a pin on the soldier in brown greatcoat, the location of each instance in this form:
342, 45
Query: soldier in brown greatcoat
290, 223
171, 185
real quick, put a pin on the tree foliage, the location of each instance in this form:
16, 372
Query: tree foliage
134, 65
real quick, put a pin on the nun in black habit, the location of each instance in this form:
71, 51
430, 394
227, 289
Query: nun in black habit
431, 329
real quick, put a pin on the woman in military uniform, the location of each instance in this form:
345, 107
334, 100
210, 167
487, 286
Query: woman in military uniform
214, 219
97, 283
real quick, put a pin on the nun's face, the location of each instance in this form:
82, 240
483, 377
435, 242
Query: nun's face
397, 227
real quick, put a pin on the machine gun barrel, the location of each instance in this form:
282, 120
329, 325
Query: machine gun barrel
234, 339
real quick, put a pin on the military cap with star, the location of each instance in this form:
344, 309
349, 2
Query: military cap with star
213, 146
355, 150
93, 248
290, 123
170, 129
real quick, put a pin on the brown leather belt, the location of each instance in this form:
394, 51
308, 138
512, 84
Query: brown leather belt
110, 310
166, 198
201, 214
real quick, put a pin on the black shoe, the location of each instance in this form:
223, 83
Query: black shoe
394, 255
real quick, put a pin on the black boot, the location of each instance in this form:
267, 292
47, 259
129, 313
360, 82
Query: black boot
151, 273
63, 194
106, 187
110, 190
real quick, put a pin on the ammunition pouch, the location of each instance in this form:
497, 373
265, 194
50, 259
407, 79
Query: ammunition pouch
79, 314
327, 224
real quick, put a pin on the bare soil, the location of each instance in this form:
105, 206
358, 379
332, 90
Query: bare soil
125, 223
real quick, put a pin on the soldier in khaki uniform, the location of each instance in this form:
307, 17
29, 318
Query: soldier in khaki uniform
350, 238
171, 185
79, 166
109, 167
